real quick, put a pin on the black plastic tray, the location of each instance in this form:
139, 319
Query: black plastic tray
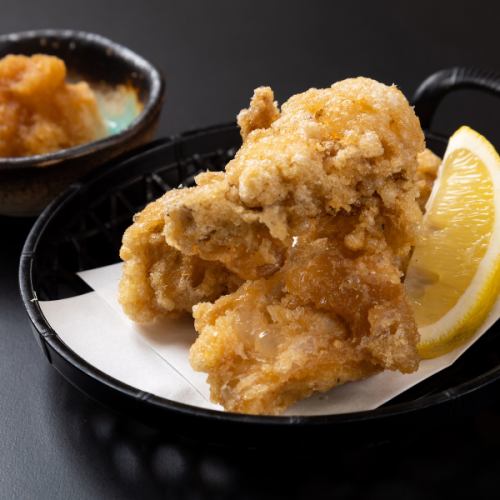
83, 227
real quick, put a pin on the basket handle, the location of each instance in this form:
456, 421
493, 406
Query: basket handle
432, 90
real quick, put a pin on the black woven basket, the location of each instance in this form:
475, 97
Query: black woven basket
82, 229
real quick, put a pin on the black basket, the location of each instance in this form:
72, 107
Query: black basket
82, 229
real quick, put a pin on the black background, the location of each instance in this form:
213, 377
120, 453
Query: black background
55, 442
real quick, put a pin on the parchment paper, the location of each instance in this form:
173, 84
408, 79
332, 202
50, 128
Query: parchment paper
155, 358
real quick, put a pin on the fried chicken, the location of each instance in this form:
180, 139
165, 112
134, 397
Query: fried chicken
157, 279
329, 316
333, 180
316, 216
329, 150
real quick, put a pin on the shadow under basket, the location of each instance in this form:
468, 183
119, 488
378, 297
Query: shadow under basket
83, 228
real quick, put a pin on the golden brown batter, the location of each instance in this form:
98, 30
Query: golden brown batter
316, 214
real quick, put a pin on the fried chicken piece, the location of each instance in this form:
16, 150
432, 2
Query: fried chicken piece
428, 164
318, 211
157, 279
329, 150
338, 170
329, 316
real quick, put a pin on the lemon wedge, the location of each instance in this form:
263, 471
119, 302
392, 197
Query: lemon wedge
453, 278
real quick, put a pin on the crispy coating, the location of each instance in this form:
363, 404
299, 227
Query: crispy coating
317, 214
157, 279
329, 150
204, 221
338, 172
262, 112
428, 164
329, 316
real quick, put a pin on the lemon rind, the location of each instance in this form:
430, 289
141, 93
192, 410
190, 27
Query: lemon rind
455, 329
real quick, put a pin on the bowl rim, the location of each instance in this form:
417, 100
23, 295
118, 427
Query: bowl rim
152, 106
49, 336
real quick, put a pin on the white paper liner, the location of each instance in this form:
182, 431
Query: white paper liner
155, 358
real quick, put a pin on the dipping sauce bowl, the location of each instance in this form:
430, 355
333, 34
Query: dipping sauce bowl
129, 91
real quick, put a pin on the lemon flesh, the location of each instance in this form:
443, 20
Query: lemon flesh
453, 278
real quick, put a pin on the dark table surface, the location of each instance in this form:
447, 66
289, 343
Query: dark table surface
55, 442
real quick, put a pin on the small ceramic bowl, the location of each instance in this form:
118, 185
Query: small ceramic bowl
28, 183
